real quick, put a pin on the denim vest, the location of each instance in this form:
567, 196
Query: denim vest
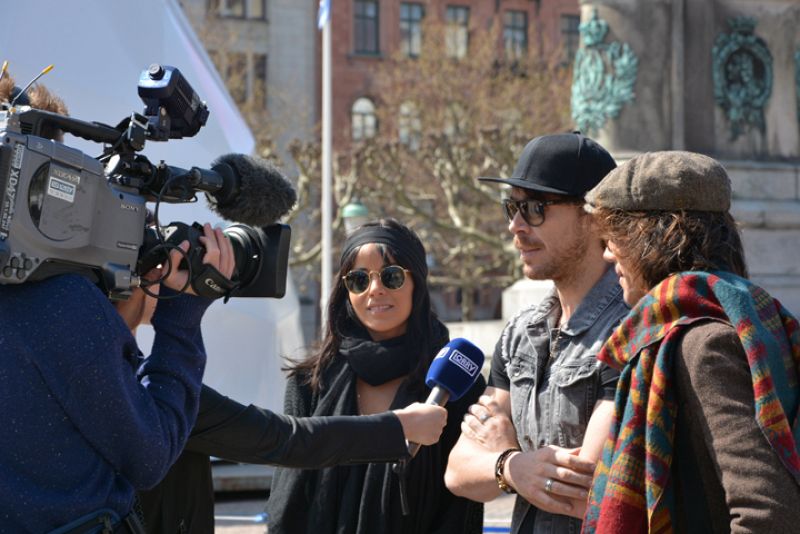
552, 397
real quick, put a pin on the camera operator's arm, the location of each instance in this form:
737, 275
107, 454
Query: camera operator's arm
230, 430
137, 425
178, 343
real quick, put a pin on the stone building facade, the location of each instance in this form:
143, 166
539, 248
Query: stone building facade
266, 51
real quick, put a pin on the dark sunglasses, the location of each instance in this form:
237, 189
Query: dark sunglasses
392, 277
532, 211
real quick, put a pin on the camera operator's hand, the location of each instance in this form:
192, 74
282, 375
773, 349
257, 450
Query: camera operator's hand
422, 423
219, 254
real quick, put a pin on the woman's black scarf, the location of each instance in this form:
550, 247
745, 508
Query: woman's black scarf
364, 499
378, 362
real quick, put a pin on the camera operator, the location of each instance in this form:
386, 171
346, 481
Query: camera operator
87, 421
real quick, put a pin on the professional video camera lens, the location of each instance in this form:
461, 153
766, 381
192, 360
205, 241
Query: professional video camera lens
261, 255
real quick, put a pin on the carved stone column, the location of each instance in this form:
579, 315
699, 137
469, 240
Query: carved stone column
621, 82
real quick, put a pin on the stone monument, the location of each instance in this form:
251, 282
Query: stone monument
719, 77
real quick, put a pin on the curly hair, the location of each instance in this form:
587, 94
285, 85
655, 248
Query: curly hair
6, 88
40, 97
661, 243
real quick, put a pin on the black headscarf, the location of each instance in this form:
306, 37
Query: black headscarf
411, 249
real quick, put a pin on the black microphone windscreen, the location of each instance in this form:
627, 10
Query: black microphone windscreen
265, 194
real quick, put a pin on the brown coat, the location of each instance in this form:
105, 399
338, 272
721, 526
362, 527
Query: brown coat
727, 478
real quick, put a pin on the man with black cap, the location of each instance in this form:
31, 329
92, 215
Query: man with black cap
531, 432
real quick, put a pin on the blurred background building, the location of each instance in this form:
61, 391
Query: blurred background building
365, 32
715, 76
268, 52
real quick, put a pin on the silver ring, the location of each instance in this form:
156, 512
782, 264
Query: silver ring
484, 417
548, 485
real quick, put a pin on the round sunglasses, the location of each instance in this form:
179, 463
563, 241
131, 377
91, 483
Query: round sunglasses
392, 277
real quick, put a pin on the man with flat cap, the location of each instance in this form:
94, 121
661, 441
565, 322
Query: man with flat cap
542, 421
705, 432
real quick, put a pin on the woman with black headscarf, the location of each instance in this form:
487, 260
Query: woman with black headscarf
381, 337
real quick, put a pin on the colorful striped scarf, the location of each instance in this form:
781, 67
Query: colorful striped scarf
632, 490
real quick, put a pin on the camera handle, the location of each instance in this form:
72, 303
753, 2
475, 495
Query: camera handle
35, 119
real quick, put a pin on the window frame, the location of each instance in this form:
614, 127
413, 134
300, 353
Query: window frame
570, 35
512, 30
409, 126
363, 125
411, 28
260, 60
232, 62
221, 8
457, 31
361, 23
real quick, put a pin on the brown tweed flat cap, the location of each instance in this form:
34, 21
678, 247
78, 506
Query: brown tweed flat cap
664, 181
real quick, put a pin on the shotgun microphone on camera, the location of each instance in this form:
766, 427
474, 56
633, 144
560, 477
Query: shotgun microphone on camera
253, 191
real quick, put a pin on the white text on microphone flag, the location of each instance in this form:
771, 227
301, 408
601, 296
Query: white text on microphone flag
469, 367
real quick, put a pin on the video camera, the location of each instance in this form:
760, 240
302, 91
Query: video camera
64, 211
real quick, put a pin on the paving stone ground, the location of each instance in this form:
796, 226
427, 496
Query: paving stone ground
237, 516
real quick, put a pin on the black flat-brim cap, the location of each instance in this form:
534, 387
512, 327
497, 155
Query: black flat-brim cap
565, 164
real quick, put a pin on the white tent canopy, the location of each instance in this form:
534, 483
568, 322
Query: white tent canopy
99, 49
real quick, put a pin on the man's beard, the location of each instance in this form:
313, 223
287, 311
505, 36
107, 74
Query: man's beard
565, 264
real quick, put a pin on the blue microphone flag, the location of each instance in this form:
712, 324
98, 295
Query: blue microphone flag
456, 368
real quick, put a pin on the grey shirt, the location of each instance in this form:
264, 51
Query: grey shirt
554, 380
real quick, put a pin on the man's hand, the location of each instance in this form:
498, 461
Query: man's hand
552, 479
422, 423
219, 254
486, 423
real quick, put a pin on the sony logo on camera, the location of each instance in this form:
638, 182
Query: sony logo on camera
469, 367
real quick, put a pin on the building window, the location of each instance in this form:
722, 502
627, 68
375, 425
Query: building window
257, 9
259, 95
237, 76
364, 123
239, 9
456, 120
457, 36
411, 28
409, 126
245, 76
570, 36
365, 29
515, 34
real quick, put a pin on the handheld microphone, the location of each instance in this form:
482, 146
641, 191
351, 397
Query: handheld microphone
452, 373
245, 189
